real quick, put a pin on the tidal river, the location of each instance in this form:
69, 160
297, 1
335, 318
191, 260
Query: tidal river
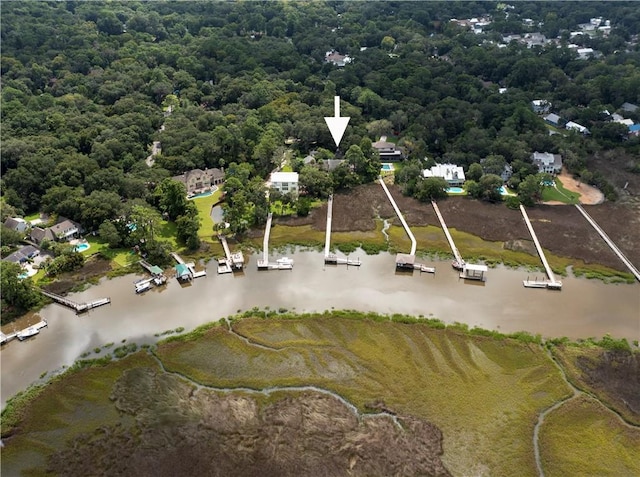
582, 309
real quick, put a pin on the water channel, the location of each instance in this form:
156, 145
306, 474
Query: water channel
582, 309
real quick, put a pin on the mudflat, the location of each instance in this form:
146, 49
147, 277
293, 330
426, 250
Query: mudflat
561, 229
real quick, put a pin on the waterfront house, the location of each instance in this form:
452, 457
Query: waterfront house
16, 223
454, 175
198, 180
285, 182
388, 151
547, 162
23, 254
63, 231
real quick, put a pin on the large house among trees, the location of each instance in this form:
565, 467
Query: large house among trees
197, 180
547, 162
451, 173
285, 182
388, 151
63, 231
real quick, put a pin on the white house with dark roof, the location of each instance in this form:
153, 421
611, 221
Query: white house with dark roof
16, 223
197, 180
454, 175
285, 182
547, 162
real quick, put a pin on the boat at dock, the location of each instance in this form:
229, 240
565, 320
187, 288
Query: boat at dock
31, 330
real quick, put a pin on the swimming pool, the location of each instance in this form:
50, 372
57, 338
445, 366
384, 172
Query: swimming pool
503, 190
81, 247
455, 190
385, 166
201, 194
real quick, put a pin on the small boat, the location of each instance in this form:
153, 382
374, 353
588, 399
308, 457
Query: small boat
161, 280
143, 287
27, 333
285, 261
457, 265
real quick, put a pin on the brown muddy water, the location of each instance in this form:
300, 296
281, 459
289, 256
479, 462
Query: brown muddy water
583, 308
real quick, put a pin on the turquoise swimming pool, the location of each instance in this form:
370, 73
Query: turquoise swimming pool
81, 247
455, 190
385, 166
201, 194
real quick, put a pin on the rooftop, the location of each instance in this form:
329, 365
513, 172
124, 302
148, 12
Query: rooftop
284, 177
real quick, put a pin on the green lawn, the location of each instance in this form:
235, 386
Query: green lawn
560, 194
204, 205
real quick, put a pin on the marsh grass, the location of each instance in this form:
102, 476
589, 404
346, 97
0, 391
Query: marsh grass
483, 392
71, 404
582, 437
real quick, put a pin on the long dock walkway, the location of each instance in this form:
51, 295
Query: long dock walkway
78, 307
552, 283
235, 260
327, 236
609, 242
414, 245
332, 258
454, 249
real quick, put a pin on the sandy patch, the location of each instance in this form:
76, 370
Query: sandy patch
589, 195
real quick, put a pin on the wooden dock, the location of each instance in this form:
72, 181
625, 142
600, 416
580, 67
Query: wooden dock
78, 307
406, 261
414, 244
332, 258
552, 283
284, 263
609, 242
190, 266
234, 260
468, 271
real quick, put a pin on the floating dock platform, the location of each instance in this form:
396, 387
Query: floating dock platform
284, 263
78, 307
468, 271
405, 261
22, 335
552, 283
186, 271
234, 261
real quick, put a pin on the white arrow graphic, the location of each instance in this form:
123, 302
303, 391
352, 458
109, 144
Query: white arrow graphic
337, 125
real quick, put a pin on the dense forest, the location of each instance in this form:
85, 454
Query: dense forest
85, 88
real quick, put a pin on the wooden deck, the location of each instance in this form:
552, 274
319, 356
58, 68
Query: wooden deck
552, 283
78, 307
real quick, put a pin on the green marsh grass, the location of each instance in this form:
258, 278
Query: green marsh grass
484, 394
582, 437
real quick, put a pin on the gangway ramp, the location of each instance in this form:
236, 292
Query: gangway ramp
609, 242
332, 258
552, 283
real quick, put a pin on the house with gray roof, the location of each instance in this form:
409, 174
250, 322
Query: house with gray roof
629, 108
16, 223
547, 162
23, 254
197, 180
63, 231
